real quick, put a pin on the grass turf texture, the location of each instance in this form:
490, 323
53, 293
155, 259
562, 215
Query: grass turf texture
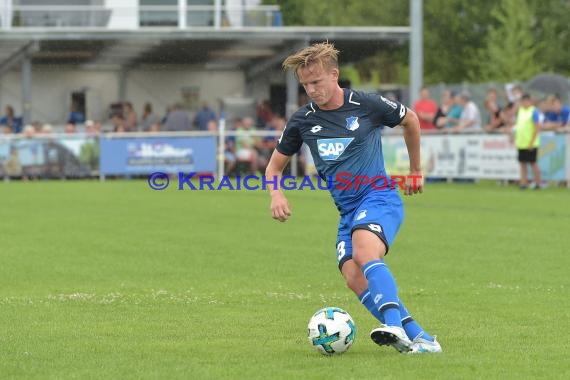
114, 280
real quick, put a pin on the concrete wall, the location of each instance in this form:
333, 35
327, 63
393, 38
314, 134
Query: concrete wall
52, 88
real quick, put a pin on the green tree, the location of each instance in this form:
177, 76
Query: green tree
387, 63
511, 50
453, 33
551, 28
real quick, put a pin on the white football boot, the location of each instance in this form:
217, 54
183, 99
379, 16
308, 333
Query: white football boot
392, 336
421, 345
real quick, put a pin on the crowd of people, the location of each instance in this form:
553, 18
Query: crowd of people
248, 152
457, 112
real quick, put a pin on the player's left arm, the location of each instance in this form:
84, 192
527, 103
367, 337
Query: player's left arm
411, 125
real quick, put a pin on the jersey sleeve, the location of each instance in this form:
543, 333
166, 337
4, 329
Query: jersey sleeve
384, 111
290, 141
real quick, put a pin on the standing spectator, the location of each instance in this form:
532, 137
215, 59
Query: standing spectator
177, 120
76, 116
426, 109
203, 117
527, 140
470, 118
11, 121
148, 118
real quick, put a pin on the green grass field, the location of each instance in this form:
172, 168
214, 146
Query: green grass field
116, 281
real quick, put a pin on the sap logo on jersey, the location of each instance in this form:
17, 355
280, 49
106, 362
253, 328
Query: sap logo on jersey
331, 149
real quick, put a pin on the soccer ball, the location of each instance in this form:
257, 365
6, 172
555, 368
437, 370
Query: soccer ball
331, 331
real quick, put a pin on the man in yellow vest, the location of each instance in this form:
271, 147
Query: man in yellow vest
527, 140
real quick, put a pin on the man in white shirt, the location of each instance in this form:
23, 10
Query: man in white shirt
470, 116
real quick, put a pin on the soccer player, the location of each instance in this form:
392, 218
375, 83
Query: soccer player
342, 130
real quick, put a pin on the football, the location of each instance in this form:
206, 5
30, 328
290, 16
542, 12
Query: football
331, 331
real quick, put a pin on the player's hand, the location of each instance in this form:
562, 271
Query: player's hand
280, 209
414, 183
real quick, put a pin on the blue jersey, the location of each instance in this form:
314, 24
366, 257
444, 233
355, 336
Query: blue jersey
345, 143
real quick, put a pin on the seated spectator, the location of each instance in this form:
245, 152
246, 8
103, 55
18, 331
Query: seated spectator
177, 120
446, 103
29, 131
557, 115
246, 145
470, 119
11, 121
47, 129
264, 114
148, 118
69, 128
130, 117
118, 122
212, 126
267, 144
12, 166
451, 118
203, 117
494, 121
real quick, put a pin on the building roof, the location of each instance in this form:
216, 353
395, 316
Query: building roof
249, 48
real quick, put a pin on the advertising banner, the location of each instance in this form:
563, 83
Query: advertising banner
146, 155
57, 156
475, 156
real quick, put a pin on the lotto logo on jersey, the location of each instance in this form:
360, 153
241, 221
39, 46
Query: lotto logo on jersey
331, 149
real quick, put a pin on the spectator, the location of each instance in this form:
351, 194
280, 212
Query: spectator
494, 120
470, 118
446, 103
264, 114
47, 129
29, 131
267, 145
90, 128
426, 109
148, 118
118, 122
203, 117
130, 117
557, 115
177, 120
451, 118
12, 166
11, 121
212, 126
76, 116
69, 128
246, 144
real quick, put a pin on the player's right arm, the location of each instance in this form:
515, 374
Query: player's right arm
280, 209
289, 143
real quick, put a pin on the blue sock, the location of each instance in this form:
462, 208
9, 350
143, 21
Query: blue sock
413, 329
368, 303
383, 291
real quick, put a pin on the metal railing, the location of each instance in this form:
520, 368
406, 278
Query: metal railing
143, 16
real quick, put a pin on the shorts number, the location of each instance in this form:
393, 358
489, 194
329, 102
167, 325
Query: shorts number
340, 250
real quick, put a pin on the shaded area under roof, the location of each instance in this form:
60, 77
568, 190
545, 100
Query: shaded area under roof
226, 48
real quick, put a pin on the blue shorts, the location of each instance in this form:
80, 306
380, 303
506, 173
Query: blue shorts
379, 212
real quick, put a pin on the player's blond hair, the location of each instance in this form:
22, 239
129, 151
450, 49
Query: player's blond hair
323, 54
